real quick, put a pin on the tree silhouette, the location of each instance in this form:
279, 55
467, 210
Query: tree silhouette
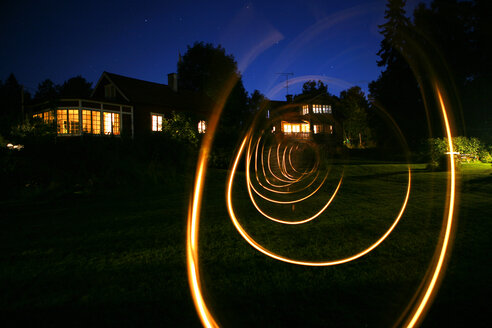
10, 105
47, 91
76, 87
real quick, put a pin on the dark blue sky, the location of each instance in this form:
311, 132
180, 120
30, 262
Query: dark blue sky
335, 41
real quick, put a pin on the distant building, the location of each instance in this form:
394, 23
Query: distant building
306, 119
121, 105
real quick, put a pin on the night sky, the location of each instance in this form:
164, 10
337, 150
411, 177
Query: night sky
335, 41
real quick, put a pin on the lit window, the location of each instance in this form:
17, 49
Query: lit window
61, 121
273, 129
286, 128
86, 121
202, 126
111, 123
48, 117
305, 109
73, 119
317, 128
96, 122
326, 109
305, 127
296, 128
331, 129
37, 115
157, 122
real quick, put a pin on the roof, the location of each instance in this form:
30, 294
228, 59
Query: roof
145, 92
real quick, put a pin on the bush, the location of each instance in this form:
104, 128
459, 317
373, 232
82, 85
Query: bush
470, 149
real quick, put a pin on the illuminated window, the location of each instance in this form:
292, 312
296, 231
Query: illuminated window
202, 127
317, 128
37, 115
305, 127
86, 121
73, 120
61, 121
157, 122
48, 117
111, 123
286, 128
305, 109
331, 129
96, 122
296, 128
273, 129
326, 109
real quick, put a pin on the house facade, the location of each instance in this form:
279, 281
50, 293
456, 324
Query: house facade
124, 106
307, 119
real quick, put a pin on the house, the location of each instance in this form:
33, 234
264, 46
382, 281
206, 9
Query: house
121, 105
307, 119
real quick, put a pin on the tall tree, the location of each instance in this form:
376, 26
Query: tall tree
206, 68
396, 90
11, 93
354, 107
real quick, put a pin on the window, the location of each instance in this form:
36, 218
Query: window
48, 117
157, 122
326, 109
109, 91
73, 119
86, 121
61, 121
317, 128
37, 115
331, 129
96, 122
296, 128
286, 128
305, 109
111, 123
202, 126
305, 127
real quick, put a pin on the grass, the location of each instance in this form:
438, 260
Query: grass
118, 259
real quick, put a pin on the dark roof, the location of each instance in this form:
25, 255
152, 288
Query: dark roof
145, 92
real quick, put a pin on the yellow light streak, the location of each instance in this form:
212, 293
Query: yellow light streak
268, 253
449, 222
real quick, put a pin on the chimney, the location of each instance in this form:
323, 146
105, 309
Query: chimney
172, 81
289, 98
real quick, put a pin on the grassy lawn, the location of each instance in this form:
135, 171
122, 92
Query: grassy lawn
118, 259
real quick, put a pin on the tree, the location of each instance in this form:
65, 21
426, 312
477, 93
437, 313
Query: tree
47, 91
354, 106
11, 94
255, 101
76, 87
314, 90
396, 90
209, 70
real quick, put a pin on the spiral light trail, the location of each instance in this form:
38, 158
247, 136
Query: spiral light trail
298, 185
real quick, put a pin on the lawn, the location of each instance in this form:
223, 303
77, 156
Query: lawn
118, 258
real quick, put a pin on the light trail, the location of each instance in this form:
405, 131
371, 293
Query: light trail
271, 254
424, 302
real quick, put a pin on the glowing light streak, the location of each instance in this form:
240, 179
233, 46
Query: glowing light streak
289, 182
449, 222
277, 191
268, 253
